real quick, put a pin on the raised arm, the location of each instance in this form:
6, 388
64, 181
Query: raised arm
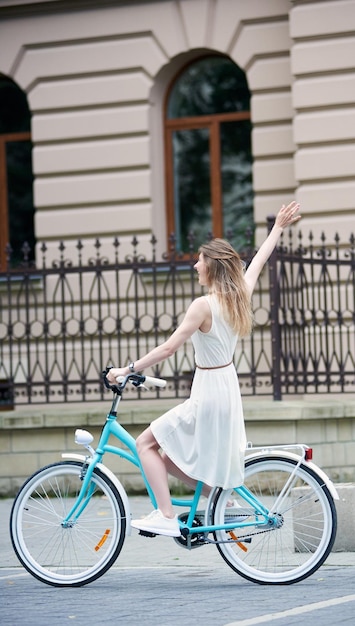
287, 216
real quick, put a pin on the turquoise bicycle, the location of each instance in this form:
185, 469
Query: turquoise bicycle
70, 519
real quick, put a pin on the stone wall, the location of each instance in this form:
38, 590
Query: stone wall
33, 437
322, 65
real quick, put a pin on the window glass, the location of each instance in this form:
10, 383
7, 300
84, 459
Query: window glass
236, 173
192, 196
209, 86
16, 199
14, 112
20, 201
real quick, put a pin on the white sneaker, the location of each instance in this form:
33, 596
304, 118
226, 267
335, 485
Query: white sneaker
157, 524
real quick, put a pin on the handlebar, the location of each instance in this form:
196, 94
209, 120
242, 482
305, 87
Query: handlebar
136, 379
155, 382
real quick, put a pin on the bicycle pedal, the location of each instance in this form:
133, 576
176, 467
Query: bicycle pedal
146, 533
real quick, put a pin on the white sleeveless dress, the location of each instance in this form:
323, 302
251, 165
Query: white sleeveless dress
205, 435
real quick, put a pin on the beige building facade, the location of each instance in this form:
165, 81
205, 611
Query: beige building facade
96, 77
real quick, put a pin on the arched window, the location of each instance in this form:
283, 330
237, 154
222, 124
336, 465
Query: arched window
16, 179
208, 153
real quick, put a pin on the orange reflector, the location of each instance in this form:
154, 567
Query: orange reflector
239, 543
102, 540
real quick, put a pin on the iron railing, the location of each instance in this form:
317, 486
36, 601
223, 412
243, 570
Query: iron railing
79, 310
312, 291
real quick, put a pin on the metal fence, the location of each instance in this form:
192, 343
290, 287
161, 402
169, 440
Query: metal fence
312, 290
80, 309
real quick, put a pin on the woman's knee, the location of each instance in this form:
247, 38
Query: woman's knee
145, 441
140, 443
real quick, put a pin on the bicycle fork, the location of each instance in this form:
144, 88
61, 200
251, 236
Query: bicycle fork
84, 496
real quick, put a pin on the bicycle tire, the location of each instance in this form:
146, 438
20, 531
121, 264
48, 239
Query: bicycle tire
67, 556
299, 546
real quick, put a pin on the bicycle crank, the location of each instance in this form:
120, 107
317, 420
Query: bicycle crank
187, 541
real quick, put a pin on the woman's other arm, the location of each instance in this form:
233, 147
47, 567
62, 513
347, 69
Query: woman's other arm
287, 216
195, 315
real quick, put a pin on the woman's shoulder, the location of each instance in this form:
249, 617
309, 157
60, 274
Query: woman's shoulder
213, 301
204, 308
201, 302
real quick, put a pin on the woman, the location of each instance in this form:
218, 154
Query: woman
204, 437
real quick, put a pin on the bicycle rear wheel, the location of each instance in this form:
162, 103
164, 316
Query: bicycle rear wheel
84, 550
303, 537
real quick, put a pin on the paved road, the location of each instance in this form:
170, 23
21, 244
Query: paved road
157, 582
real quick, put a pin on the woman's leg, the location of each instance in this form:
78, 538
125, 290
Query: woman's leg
180, 475
155, 471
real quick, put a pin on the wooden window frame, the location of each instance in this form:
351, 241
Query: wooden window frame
212, 122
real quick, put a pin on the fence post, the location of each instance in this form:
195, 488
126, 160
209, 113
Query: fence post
274, 319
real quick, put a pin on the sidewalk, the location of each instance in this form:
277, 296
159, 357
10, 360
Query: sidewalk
139, 552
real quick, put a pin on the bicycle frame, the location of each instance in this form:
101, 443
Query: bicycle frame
113, 428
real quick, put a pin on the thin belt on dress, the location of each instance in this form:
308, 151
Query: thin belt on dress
217, 367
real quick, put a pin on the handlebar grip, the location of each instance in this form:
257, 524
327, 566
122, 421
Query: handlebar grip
157, 382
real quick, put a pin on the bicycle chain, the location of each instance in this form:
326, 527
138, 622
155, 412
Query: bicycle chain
240, 539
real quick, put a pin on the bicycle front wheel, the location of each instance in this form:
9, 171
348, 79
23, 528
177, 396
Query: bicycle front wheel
73, 554
296, 546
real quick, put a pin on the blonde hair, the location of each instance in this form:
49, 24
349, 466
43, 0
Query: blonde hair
225, 278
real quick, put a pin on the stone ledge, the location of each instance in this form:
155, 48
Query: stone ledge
84, 414
297, 409
143, 412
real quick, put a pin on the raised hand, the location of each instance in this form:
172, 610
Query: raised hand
288, 215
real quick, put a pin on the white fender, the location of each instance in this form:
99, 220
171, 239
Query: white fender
292, 455
111, 476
